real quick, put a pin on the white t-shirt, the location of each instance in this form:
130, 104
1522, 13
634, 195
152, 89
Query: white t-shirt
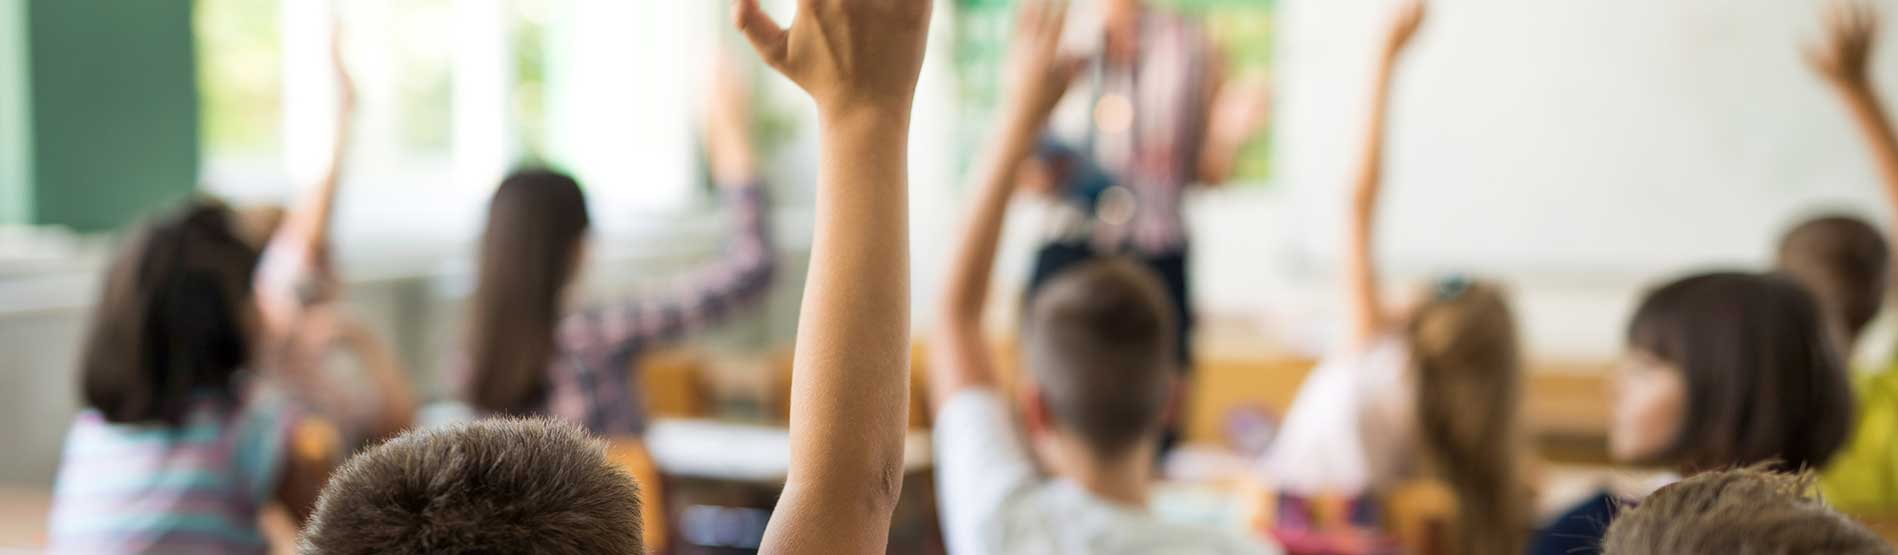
994, 502
1348, 430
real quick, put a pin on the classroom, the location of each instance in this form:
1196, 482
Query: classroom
723, 277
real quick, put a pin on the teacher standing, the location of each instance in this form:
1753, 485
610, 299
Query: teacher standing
1159, 116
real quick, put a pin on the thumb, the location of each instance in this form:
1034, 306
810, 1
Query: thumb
764, 33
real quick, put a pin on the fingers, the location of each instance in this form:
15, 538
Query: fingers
1816, 57
765, 34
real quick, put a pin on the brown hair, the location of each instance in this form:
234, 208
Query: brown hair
490, 486
1098, 340
1763, 382
1468, 368
1845, 263
1739, 511
528, 255
173, 320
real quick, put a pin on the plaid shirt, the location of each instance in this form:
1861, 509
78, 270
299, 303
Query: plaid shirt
591, 378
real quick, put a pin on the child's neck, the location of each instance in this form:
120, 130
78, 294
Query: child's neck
1124, 480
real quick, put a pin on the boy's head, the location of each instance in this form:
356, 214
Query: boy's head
1738, 511
1845, 263
1098, 343
516, 485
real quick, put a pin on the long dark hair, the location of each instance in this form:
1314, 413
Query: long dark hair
528, 253
1468, 365
174, 319
1764, 382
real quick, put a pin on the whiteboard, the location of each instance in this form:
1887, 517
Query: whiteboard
1599, 137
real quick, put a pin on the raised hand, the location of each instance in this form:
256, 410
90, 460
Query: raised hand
859, 59
1403, 28
1038, 73
850, 55
728, 126
1845, 52
345, 83
1364, 301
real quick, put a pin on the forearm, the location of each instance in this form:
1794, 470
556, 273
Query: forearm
385, 371
1361, 276
849, 391
962, 359
1868, 110
309, 219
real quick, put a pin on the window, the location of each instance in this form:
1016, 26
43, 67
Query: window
453, 93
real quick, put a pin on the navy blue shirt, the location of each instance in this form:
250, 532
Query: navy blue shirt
1578, 531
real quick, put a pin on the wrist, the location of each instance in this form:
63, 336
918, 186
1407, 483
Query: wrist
865, 116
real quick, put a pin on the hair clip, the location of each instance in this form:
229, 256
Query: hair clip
1452, 286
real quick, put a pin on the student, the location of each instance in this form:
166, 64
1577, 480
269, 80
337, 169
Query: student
181, 441
1723, 370
1441, 383
1098, 348
859, 60
1846, 264
493, 485
297, 294
1739, 511
528, 354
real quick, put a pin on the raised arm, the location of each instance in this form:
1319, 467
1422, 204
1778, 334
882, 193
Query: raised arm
1365, 301
1038, 76
716, 291
1843, 58
297, 270
859, 60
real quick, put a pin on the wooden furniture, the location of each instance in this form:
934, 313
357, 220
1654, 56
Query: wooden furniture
720, 482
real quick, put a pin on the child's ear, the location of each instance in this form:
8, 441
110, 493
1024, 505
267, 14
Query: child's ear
1177, 390
1036, 417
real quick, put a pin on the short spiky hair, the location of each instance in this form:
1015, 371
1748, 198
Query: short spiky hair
1741, 512
493, 486
1098, 340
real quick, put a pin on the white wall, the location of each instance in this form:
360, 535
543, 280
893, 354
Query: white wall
1625, 137
1580, 151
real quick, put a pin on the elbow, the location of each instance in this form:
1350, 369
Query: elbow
885, 489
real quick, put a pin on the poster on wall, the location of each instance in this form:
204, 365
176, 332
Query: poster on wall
1243, 30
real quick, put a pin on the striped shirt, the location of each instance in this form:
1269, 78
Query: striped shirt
150, 488
592, 379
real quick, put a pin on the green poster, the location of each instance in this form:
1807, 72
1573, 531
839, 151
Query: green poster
1244, 31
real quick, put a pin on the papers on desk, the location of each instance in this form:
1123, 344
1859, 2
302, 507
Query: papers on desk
742, 452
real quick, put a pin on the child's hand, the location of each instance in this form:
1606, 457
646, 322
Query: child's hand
345, 84
1242, 108
854, 57
1038, 73
1409, 18
1843, 55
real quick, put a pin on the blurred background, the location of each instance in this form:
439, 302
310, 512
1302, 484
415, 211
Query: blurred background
1578, 151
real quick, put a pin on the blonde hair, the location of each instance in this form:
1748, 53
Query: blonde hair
1468, 368
1739, 511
